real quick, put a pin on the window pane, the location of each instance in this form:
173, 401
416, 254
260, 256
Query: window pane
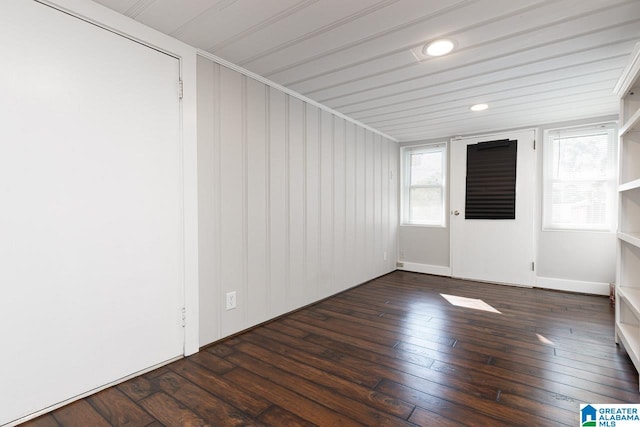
579, 179
581, 157
579, 203
425, 205
426, 168
423, 181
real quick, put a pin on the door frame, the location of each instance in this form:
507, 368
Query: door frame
535, 206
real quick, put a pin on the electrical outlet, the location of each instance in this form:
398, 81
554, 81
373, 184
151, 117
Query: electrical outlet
401, 254
231, 300
384, 256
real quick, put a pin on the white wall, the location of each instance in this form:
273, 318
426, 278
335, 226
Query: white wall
428, 246
566, 260
576, 256
296, 203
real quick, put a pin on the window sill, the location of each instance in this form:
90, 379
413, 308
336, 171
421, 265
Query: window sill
580, 230
423, 225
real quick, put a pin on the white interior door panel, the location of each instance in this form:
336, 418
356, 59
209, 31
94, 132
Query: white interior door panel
91, 276
503, 250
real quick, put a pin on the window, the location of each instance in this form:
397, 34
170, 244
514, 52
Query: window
579, 178
423, 184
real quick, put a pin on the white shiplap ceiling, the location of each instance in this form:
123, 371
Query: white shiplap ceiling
532, 61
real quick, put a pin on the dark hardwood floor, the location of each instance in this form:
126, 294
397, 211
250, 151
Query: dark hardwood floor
390, 352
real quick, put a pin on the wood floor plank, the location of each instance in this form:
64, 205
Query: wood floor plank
137, 388
156, 372
403, 368
362, 394
276, 416
221, 349
457, 412
209, 407
171, 413
212, 362
289, 400
307, 352
422, 417
251, 403
575, 377
544, 366
509, 385
366, 350
550, 412
79, 414
482, 403
392, 351
325, 396
448, 386
118, 409
46, 420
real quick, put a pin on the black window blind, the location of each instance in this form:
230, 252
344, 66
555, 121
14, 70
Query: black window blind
491, 180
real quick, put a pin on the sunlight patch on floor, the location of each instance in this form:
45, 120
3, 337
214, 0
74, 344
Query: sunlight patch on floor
544, 340
474, 303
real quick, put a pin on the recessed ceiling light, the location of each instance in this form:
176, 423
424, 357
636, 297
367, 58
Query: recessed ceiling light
438, 47
479, 107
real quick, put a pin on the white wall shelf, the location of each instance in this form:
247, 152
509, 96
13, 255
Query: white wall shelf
631, 238
628, 254
632, 125
631, 296
631, 185
629, 335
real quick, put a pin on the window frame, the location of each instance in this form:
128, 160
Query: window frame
611, 216
406, 187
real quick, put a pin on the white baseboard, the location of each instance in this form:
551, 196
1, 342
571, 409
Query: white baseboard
438, 270
596, 288
579, 286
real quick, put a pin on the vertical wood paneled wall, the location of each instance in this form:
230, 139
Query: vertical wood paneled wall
295, 203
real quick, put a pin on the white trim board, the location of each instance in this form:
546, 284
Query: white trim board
583, 287
288, 91
625, 82
414, 267
596, 288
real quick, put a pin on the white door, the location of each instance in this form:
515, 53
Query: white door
91, 271
494, 250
